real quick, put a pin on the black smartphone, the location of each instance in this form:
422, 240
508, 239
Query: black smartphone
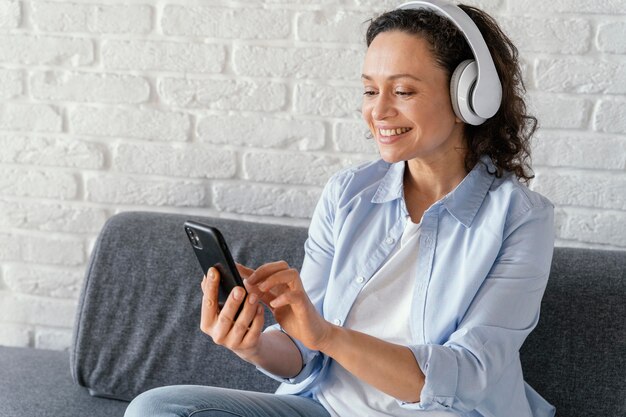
212, 251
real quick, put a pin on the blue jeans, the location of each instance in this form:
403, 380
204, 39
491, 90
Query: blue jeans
201, 401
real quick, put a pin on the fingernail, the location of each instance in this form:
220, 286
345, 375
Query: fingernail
252, 298
211, 274
237, 294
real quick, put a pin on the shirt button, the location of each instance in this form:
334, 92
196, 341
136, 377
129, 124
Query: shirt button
389, 240
360, 280
337, 322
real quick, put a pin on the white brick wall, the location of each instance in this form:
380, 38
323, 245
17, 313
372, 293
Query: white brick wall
243, 110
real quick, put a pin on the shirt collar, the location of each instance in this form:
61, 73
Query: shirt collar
465, 200
462, 203
391, 186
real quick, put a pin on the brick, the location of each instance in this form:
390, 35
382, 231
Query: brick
226, 23
34, 182
354, 137
581, 75
526, 67
262, 132
46, 50
487, 5
265, 200
333, 25
384, 5
94, 18
567, 6
193, 161
611, 37
136, 123
51, 217
582, 188
53, 250
10, 14
89, 87
30, 117
53, 338
595, 226
559, 222
11, 83
44, 281
224, 94
557, 111
379, 5
10, 249
578, 150
187, 56
120, 189
312, 63
50, 151
290, 167
561, 36
328, 101
16, 335
609, 116
34, 310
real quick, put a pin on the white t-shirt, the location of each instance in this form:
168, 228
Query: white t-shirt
388, 293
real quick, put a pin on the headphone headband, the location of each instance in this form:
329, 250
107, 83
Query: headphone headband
487, 92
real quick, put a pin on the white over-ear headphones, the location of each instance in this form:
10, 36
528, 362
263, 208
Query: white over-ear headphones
475, 88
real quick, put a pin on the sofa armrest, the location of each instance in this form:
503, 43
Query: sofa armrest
577, 353
137, 324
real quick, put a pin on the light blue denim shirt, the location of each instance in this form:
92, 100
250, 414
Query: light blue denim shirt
484, 258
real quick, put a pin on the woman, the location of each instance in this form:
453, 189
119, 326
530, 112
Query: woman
424, 270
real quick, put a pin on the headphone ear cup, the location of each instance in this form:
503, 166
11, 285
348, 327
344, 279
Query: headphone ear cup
461, 89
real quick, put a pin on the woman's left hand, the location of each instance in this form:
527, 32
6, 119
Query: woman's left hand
280, 287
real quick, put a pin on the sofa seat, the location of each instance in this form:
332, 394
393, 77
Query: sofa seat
36, 382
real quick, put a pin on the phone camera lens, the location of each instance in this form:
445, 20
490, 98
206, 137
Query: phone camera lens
193, 237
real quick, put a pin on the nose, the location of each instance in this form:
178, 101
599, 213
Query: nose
382, 107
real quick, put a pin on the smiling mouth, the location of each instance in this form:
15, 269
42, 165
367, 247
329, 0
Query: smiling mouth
393, 132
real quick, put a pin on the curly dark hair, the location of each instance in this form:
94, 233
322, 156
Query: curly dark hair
505, 137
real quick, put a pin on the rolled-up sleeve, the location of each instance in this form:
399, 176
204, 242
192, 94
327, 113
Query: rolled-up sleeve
461, 372
311, 361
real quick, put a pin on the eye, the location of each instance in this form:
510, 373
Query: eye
369, 93
404, 93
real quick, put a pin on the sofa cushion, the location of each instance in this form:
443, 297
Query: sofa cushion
576, 357
35, 382
137, 325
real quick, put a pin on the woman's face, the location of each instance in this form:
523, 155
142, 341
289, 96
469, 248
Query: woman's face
406, 101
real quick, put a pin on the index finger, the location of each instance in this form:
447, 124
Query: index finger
244, 271
267, 270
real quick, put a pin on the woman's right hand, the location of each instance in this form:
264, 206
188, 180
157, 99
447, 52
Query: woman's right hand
242, 336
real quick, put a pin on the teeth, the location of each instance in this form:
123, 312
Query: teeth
392, 132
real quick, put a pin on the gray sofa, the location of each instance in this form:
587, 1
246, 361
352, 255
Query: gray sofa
137, 326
